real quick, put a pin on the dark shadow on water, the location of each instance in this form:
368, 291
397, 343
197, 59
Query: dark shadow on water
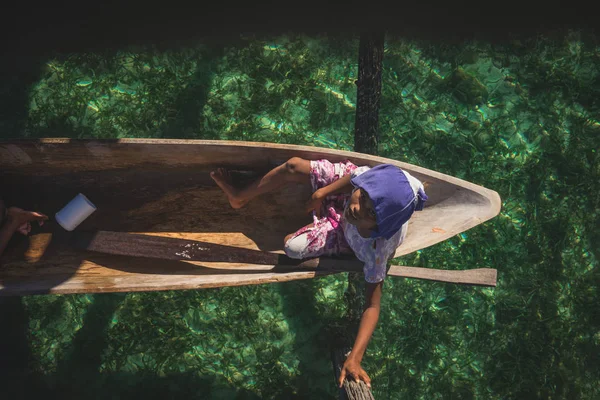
78, 375
188, 119
15, 82
16, 360
82, 361
311, 344
128, 385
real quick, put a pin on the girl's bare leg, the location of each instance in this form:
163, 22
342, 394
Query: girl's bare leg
296, 169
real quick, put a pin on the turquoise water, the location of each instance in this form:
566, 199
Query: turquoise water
521, 118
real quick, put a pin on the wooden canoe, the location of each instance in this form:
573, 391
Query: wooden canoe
163, 188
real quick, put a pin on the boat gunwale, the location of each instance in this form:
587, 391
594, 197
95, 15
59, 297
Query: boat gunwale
487, 193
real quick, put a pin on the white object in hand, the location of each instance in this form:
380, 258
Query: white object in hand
75, 212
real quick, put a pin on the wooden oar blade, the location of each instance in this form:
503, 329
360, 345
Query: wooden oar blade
478, 276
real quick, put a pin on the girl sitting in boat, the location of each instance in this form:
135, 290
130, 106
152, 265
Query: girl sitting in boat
358, 210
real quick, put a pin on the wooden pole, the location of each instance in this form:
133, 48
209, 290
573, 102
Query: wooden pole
370, 64
366, 140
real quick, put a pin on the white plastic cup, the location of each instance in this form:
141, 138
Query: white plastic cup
75, 212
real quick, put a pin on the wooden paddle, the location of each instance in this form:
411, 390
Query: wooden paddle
166, 248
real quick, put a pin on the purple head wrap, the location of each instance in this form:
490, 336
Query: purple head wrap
392, 195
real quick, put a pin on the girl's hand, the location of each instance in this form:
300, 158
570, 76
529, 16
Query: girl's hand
353, 370
315, 202
22, 219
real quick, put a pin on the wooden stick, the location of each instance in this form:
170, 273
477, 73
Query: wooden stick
478, 276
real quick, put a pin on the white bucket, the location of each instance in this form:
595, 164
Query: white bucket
75, 212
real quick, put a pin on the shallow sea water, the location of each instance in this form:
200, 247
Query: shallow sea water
521, 118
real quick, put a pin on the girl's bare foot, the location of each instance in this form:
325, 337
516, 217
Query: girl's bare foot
223, 179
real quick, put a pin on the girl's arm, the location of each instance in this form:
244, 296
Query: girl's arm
368, 323
17, 220
342, 185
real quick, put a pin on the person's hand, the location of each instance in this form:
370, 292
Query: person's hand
315, 202
353, 370
22, 219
